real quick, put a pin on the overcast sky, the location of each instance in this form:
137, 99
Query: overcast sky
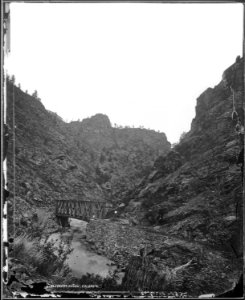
141, 64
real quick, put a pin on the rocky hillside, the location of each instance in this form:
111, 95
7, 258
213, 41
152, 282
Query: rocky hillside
195, 190
120, 156
179, 222
88, 160
191, 199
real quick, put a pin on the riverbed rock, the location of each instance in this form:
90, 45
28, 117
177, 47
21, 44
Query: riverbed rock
160, 262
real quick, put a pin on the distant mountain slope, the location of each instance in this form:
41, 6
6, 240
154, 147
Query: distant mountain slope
120, 156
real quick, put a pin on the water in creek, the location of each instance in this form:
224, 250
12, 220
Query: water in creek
82, 260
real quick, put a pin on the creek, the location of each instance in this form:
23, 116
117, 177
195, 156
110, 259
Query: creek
82, 259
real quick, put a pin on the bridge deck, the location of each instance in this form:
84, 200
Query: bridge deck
83, 210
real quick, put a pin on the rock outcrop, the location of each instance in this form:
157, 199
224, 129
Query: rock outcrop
196, 187
153, 261
119, 156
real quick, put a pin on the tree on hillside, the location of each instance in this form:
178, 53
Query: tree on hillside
35, 95
182, 136
12, 79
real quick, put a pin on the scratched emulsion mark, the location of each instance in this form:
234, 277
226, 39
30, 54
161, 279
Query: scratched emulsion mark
4, 188
8, 279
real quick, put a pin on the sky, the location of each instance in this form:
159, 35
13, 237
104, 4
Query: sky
141, 64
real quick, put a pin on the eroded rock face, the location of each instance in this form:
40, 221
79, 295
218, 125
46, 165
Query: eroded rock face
169, 163
197, 187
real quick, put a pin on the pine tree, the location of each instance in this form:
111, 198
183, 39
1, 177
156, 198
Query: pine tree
35, 95
12, 79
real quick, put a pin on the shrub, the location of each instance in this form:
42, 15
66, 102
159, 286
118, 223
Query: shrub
40, 257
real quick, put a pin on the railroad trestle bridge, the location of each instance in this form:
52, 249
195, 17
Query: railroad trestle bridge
80, 209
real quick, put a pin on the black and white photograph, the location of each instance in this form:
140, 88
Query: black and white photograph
122, 129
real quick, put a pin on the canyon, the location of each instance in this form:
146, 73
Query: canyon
175, 223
